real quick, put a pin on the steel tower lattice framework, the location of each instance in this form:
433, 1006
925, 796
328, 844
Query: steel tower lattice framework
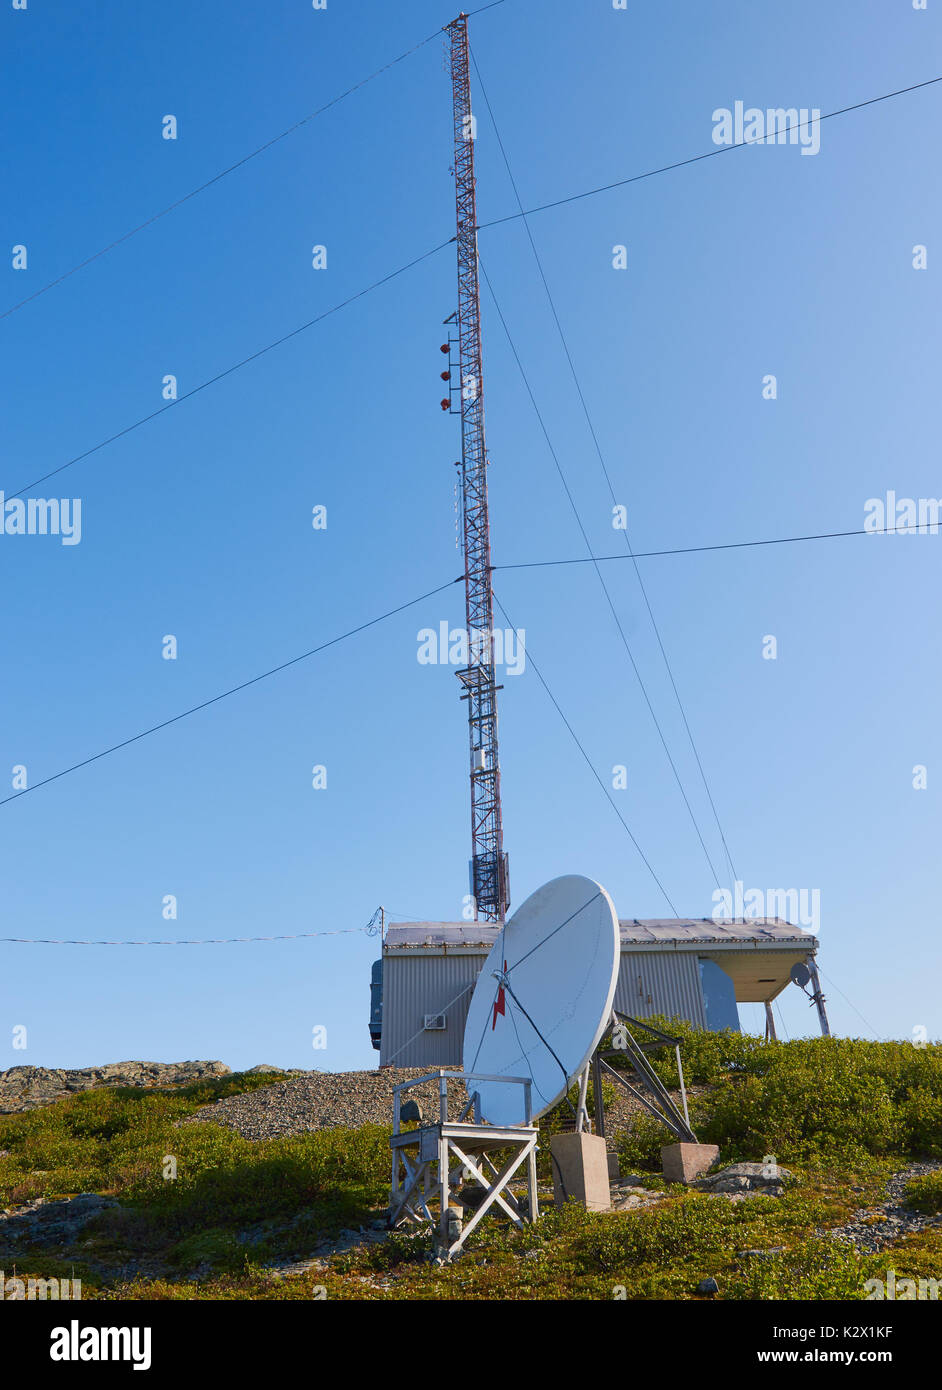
489, 877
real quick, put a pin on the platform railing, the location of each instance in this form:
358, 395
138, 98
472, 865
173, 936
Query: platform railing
443, 1077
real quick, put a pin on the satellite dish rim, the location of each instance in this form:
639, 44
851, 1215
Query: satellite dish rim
485, 986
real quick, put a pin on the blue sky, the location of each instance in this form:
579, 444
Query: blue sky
199, 523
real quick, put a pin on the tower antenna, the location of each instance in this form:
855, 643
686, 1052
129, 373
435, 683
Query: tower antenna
489, 876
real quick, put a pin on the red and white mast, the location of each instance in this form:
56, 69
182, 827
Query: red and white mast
489, 877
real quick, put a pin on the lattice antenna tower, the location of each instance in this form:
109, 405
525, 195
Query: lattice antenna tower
489, 876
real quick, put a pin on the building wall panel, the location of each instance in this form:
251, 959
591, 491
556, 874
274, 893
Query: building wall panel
418, 984
660, 982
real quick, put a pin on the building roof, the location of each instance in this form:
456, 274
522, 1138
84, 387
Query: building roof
666, 933
661, 931
420, 934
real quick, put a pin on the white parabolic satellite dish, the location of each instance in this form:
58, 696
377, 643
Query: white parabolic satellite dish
558, 959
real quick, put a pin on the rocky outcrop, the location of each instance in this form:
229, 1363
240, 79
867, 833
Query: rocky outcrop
25, 1088
50, 1223
746, 1178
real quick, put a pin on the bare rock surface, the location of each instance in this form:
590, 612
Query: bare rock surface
629, 1195
25, 1088
51, 1223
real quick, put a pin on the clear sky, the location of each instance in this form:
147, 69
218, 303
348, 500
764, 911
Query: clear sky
198, 525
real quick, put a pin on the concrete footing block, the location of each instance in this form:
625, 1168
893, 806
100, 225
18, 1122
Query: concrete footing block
687, 1162
580, 1170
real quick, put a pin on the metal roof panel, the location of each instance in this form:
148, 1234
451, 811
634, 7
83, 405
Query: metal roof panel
634, 931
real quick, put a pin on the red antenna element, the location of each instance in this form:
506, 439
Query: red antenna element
489, 876
499, 1003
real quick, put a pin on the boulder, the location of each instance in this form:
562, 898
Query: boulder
769, 1178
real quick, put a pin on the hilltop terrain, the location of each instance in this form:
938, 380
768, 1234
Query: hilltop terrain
188, 1181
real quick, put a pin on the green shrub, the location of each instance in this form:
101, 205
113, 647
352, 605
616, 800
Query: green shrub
216, 1247
843, 1097
921, 1116
222, 1177
925, 1193
639, 1144
815, 1269
692, 1227
801, 1110
803, 1101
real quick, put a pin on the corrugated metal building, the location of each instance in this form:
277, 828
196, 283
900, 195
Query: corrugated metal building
693, 970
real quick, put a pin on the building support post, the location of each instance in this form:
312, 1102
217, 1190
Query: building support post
598, 1102
582, 1114
818, 998
683, 1088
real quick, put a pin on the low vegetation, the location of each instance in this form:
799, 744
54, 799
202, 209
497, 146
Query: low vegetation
925, 1194
843, 1115
805, 1100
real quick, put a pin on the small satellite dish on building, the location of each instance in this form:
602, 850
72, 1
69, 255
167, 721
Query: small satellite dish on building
800, 974
543, 1000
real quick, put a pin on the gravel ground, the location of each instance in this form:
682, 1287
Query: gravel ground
323, 1099
871, 1228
